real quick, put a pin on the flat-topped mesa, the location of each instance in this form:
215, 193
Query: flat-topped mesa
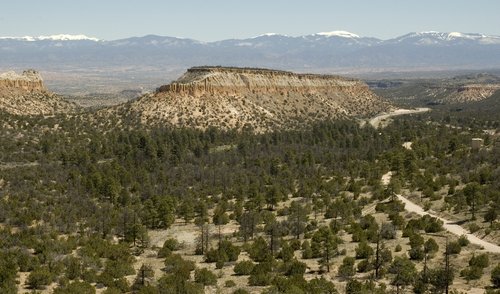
29, 80
201, 81
259, 99
25, 94
485, 87
471, 93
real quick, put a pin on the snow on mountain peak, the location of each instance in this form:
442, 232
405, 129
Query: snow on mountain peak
452, 35
25, 38
440, 38
64, 37
456, 35
342, 34
60, 37
268, 35
429, 33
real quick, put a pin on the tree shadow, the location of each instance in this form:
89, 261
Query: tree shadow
460, 222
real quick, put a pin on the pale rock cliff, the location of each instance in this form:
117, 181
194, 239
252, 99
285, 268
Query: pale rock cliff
260, 99
26, 94
29, 80
200, 81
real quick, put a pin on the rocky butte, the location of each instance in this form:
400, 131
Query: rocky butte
260, 99
26, 94
29, 81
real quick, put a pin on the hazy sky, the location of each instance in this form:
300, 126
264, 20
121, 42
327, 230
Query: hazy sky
210, 20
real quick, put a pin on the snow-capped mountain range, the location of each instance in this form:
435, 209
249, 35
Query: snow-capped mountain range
342, 34
329, 52
435, 38
421, 38
61, 37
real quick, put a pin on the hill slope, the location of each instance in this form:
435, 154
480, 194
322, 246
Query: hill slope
26, 94
465, 89
260, 99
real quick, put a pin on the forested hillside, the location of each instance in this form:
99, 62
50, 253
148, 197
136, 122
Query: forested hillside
189, 211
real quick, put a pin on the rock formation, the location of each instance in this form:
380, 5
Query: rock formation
261, 99
29, 81
26, 94
471, 93
200, 81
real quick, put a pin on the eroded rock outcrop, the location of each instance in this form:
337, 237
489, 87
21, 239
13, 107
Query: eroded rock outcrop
261, 99
471, 93
29, 80
26, 94
200, 81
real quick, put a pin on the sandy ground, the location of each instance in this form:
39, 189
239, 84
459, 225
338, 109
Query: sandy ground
386, 178
407, 145
447, 225
11, 165
376, 122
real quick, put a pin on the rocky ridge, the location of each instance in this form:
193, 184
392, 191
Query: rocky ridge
471, 93
468, 88
26, 94
29, 80
260, 99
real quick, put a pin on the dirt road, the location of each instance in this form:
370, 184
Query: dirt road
447, 225
450, 226
376, 122
11, 165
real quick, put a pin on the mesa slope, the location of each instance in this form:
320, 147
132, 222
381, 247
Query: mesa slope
260, 99
26, 94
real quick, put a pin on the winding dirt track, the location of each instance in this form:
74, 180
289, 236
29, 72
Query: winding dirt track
11, 165
447, 225
450, 226
376, 121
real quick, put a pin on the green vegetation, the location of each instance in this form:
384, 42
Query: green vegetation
276, 210
244, 267
495, 276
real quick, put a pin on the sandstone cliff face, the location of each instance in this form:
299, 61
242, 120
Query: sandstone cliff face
25, 94
258, 98
29, 80
200, 81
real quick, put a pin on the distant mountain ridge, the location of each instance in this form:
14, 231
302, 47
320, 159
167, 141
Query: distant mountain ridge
151, 60
339, 34
60, 37
430, 35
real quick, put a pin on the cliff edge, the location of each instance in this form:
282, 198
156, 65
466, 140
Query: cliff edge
200, 81
26, 94
29, 81
262, 99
